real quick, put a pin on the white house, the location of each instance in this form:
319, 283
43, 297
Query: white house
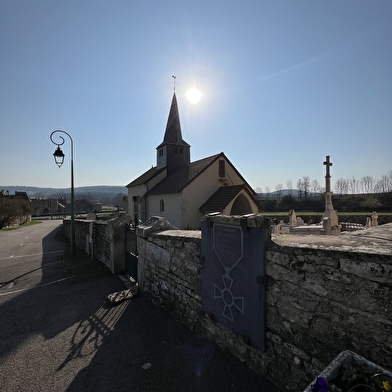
182, 191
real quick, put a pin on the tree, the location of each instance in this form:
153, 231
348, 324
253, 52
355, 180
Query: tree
118, 199
315, 186
341, 186
367, 183
353, 185
13, 209
306, 185
384, 184
300, 188
267, 191
278, 189
289, 186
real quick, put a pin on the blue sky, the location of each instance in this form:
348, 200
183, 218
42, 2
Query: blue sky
284, 84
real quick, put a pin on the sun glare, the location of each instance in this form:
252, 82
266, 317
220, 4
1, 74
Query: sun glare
193, 95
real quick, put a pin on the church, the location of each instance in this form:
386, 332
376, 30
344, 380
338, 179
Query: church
182, 191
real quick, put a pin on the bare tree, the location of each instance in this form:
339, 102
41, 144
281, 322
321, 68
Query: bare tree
300, 187
289, 186
389, 174
341, 186
267, 191
367, 183
353, 185
315, 186
278, 189
306, 185
259, 190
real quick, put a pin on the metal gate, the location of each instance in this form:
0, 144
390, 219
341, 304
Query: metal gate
131, 253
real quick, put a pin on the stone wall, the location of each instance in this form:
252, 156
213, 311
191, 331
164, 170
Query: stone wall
324, 295
170, 272
103, 240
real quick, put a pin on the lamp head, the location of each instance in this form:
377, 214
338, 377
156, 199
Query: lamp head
58, 156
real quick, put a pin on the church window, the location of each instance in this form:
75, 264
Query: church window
222, 168
176, 151
181, 151
161, 205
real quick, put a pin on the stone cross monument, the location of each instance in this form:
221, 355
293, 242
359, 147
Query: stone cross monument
332, 225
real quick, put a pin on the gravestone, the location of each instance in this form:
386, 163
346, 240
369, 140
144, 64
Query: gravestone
374, 219
233, 274
300, 222
292, 218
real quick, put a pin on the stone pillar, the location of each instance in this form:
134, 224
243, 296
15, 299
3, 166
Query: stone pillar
329, 211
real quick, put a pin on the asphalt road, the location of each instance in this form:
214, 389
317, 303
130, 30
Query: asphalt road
57, 332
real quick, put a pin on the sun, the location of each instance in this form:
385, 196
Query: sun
193, 95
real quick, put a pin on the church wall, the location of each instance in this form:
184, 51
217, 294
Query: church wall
199, 190
139, 190
172, 207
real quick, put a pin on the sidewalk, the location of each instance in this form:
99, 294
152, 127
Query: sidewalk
148, 350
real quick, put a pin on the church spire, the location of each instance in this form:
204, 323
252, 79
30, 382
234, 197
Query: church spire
173, 151
173, 128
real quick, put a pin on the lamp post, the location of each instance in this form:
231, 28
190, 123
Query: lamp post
58, 156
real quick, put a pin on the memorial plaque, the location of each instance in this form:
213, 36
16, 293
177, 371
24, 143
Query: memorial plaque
233, 289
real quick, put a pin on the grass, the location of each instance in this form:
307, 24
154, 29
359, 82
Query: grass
33, 222
310, 213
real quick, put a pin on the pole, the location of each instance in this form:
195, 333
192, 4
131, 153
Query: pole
72, 210
72, 183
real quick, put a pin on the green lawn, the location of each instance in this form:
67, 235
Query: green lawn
33, 222
310, 213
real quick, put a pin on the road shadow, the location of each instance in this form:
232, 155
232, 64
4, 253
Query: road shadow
64, 290
148, 350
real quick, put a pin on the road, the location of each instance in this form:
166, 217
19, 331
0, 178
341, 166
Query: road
57, 332
26, 253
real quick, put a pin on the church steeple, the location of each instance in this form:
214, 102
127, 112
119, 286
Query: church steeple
173, 152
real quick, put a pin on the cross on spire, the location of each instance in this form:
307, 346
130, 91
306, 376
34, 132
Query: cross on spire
174, 82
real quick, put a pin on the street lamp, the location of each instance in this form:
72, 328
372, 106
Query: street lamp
58, 156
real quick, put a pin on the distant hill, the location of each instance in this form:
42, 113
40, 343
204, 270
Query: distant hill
99, 193
284, 192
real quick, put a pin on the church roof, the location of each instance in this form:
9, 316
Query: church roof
145, 177
181, 177
221, 198
173, 133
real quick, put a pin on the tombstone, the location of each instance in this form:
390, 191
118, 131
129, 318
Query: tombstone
91, 216
285, 229
233, 274
327, 228
368, 222
292, 218
300, 221
374, 219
